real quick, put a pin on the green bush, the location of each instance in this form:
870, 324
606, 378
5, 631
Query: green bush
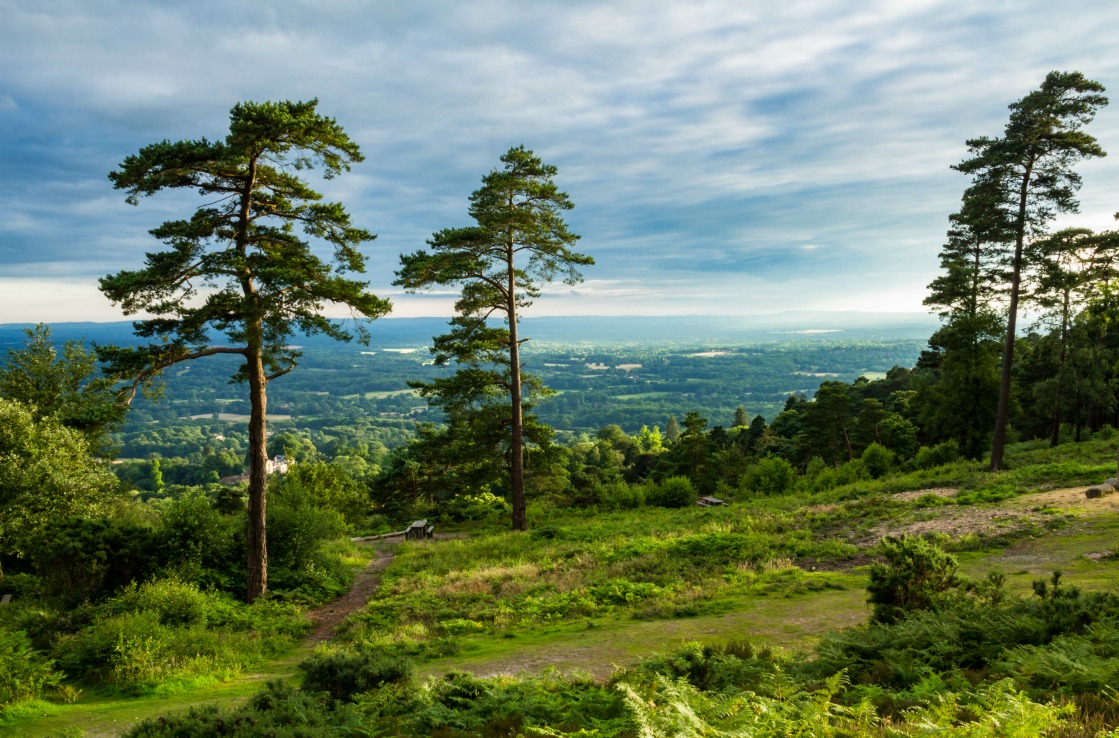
916, 576
622, 496
853, 471
331, 487
674, 492
299, 531
735, 666
818, 476
481, 506
770, 476
90, 558
201, 545
25, 674
343, 673
167, 632
171, 601
1060, 642
814, 468
279, 711
878, 460
1106, 433
938, 455
899, 435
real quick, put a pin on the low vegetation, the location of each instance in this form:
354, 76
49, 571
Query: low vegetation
972, 659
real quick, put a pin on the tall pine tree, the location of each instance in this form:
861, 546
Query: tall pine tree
1029, 173
519, 243
238, 266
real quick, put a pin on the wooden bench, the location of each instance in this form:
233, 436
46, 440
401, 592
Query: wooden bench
419, 530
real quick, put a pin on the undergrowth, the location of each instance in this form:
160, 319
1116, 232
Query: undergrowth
158, 637
978, 664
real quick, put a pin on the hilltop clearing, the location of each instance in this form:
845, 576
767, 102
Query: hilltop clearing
588, 592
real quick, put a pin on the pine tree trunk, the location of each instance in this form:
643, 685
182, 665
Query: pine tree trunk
999, 443
516, 442
258, 478
257, 583
1055, 431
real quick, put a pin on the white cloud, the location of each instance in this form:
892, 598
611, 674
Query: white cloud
714, 129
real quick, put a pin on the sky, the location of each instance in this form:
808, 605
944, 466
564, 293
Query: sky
724, 156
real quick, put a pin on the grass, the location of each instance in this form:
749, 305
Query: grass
1082, 551
586, 593
576, 575
103, 713
598, 646
655, 564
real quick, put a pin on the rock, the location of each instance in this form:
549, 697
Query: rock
1102, 490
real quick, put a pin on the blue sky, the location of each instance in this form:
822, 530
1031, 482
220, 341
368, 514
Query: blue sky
724, 156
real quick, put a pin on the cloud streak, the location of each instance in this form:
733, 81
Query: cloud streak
723, 156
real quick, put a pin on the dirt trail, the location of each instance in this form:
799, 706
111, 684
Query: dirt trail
329, 616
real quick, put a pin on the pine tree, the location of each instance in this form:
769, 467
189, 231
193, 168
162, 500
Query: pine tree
520, 241
1027, 178
238, 266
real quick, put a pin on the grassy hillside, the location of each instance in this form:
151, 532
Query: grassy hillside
761, 588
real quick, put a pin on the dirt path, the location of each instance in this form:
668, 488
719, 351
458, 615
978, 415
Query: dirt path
328, 617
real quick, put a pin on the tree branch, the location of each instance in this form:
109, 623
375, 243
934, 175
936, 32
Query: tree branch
151, 371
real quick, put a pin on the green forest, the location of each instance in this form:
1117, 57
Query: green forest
203, 522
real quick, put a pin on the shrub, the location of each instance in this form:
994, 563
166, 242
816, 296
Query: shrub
818, 476
916, 576
770, 476
938, 455
878, 460
899, 435
483, 506
735, 665
330, 487
298, 533
1106, 433
279, 711
171, 601
201, 545
853, 471
25, 674
84, 558
343, 674
814, 468
674, 492
167, 632
622, 496
585, 489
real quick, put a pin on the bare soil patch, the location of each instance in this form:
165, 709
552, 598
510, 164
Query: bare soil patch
1008, 517
956, 522
919, 493
1069, 498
